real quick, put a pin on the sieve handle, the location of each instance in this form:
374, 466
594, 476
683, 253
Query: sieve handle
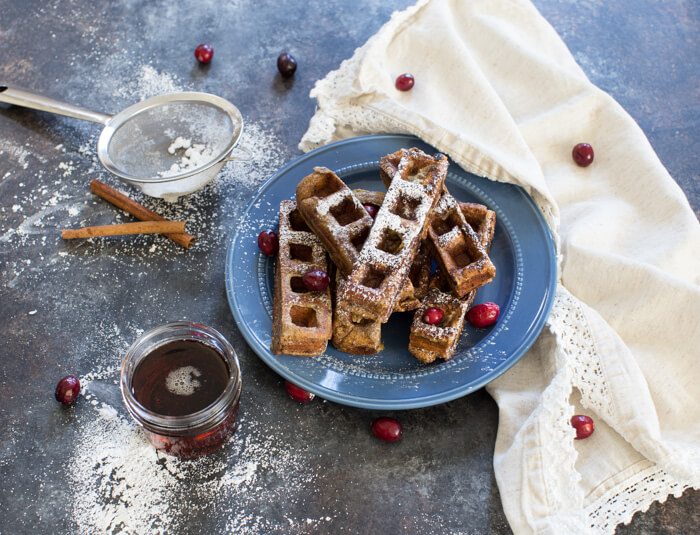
27, 99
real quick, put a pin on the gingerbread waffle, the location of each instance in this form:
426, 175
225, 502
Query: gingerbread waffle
378, 277
457, 249
389, 164
357, 336
335, 215
416, 285
430, 342
301, 320
481, 220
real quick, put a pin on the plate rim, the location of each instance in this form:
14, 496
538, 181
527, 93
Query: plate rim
362, 401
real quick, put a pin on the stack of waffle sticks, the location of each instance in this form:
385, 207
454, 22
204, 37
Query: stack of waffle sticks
379, 266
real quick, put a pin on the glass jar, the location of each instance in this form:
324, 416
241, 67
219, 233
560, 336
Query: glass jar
191, 434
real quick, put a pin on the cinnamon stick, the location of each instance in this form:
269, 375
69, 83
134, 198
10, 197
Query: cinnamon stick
140, 227
137, 210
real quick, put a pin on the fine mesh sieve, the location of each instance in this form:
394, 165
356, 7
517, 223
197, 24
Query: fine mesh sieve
166, 146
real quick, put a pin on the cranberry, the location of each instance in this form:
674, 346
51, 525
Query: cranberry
584, 426
582, 154
387, 429
316, 280
67, 389
297, 393
371, 210
286, 64
267, 241
405, 82
204, 53
483, 315
433, 316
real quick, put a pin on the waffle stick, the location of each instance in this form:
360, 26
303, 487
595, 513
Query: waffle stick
354, 335
416, 285
457, 248
335, 215
378, 276
301, 320
430, 342
454, 240
389, 164
481, 220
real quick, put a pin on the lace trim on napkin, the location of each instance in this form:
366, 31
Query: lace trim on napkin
643, 488
578, 360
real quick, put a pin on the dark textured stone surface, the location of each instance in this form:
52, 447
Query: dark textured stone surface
439, 478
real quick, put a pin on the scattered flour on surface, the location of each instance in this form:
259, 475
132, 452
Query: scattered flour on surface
123, 485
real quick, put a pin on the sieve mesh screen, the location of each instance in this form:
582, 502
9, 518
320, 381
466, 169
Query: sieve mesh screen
139, 147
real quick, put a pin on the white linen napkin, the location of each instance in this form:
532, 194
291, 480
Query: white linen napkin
498, 91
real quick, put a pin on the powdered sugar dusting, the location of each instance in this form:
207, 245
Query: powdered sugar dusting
123, 485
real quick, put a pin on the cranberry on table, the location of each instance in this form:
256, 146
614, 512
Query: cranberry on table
371, 210
298, 394
268, 243
405, 82
67, 389
582, 154
433, 316
286, 65
584, 426
316, 280
204, 53
484, 314
387, 429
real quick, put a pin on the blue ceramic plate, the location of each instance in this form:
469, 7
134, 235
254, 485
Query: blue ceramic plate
522, 251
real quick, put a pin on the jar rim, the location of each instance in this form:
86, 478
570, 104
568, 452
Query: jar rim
201, 420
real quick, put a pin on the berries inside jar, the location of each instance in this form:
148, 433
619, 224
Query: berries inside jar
67, 389
405, 81
286, 65
584, 426
582, 154
387, 429
316, 280
268, 242
484, 314
204, 53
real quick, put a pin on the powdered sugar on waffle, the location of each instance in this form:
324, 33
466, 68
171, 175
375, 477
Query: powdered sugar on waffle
407, 187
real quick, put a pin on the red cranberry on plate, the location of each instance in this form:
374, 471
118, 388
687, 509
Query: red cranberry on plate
371, 210
484, 314
405, 82
582, 154
286, 65
204, 53
433, 316
387, 429
67, 389
584, 426
316, 280
267, 242
299, 394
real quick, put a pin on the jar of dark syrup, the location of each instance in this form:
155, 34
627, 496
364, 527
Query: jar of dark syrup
181, 382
